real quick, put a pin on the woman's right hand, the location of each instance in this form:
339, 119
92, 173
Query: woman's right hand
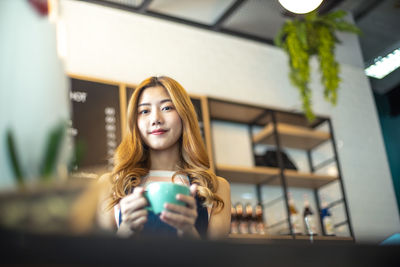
133, 212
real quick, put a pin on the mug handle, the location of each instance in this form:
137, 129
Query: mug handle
148, 207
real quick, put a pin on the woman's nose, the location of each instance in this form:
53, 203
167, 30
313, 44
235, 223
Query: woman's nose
156, 119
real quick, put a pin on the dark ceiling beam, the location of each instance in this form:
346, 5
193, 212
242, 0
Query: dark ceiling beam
143, 7
137, 9
232, 9
154, 14
366, 8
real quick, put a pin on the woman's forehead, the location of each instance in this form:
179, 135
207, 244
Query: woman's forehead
153, 94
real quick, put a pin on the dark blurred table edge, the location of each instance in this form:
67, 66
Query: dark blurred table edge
107, 249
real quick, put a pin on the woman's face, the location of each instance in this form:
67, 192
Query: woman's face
158, 121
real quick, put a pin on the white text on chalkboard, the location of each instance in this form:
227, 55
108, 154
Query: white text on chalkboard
78, 96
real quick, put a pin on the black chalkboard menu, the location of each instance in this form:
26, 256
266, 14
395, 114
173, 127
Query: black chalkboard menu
197, 107
96, 121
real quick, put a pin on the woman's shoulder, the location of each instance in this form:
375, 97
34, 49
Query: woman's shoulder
105, 177
223, 184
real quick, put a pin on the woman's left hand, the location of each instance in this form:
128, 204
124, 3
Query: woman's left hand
182, 218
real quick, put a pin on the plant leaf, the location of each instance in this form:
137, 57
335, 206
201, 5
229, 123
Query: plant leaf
53, 146
13, 156
337, 14
347, 27
301, 30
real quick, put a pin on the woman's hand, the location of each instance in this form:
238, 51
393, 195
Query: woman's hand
183, 218
133, 212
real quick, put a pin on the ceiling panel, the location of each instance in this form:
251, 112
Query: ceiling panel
381, 29
261, 18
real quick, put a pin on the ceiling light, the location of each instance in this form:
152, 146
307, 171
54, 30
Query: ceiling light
384, 65
300, 7
247, 196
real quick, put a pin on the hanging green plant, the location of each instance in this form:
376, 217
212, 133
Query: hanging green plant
314, 35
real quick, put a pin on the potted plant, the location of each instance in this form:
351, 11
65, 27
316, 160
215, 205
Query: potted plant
304, 37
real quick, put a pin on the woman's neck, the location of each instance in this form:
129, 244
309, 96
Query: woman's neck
167, 159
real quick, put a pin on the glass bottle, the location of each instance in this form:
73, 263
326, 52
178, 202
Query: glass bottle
260, 226
243, 225
250, 218
234, 221
310, 227
294, 216
327, 221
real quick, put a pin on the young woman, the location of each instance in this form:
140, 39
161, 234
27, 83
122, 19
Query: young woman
163, 143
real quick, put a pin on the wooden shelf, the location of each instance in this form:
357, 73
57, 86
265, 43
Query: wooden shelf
248, 175
267, 175
308, 180
292, 119
221, 109
291, 136
236, 112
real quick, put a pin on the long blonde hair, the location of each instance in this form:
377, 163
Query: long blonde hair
132, 156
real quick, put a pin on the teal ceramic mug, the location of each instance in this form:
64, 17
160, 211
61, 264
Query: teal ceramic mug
160, 193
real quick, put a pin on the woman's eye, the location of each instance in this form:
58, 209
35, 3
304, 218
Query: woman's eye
167, 108
144, 111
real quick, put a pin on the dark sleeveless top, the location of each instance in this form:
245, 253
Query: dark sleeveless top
156, 227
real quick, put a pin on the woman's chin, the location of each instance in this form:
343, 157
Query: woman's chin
159, 147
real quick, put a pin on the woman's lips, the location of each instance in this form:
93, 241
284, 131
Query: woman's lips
158, 132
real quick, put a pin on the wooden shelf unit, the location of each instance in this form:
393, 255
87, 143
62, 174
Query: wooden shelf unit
270, 176
294, 131
291, 136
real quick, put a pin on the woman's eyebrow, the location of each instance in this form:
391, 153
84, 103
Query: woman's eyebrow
161, 102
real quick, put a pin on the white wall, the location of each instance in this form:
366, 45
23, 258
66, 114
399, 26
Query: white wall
117, 45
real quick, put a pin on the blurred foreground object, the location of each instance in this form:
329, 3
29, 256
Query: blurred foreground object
40, 209
33, 94
308, 36
34, 109
61, 207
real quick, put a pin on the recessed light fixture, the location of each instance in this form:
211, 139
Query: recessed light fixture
247, 196
300, 7
384, 65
